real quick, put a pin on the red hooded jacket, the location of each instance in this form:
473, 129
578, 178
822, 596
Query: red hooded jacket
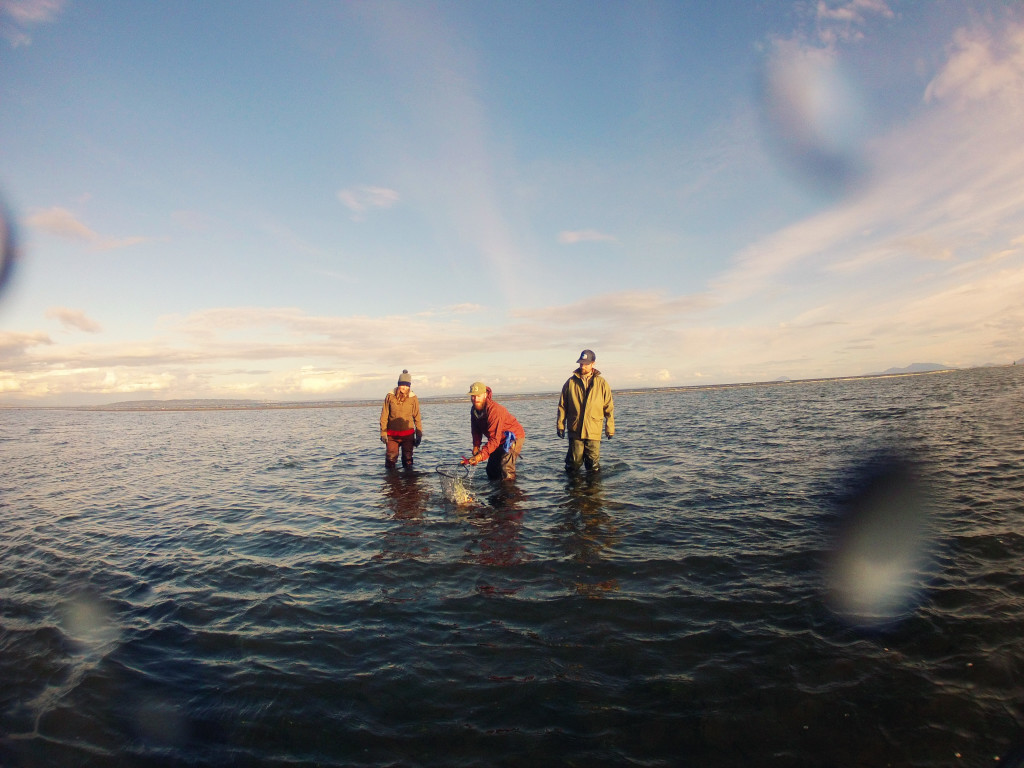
492, 424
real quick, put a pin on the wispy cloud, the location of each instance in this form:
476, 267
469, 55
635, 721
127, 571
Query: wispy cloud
74, 319
982, 66
17, 17
571, 237
63, 223
447, 160
843, 21
360, 200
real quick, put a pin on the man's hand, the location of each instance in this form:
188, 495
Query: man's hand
561, 433
416, 440
384, 437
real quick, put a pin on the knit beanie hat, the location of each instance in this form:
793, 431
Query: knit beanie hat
405, 380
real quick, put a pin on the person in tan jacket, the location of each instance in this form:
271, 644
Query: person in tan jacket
400, 424
585, 408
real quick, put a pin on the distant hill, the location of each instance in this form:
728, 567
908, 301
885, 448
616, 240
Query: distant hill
916, 368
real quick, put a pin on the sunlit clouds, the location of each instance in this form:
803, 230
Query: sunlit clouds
73, 319
983, 66
63, 223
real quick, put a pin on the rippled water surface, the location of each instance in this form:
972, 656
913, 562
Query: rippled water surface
252, 588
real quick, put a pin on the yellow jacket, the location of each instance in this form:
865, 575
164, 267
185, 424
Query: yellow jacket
583, 409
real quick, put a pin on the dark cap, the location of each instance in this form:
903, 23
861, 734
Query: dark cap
587, 356
405, 380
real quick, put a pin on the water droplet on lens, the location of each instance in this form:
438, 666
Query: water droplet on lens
814, 117
7, 244
882, 548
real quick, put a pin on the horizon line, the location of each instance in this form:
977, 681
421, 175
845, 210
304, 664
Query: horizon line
236, 404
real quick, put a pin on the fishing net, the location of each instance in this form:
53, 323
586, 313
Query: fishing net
453, 482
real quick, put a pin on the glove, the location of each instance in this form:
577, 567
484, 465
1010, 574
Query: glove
416, 440
384, 437
561, 433
609, 434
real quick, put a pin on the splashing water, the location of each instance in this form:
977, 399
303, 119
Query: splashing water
453, 483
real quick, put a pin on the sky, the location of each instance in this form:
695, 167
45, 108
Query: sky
296, 201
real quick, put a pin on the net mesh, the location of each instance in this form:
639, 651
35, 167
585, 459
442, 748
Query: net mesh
453, 482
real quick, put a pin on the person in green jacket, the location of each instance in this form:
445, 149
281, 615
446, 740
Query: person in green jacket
585, 408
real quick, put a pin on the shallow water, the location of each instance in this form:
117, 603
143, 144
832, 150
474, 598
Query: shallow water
252, 588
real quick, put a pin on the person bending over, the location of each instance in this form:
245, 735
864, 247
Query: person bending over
497, 436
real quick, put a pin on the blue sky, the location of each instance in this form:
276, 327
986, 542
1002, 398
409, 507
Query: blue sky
295, 201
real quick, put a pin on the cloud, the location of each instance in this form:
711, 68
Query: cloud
73, 319
63, 223
359, 200
465, 308
842, 21
636, 310
923, 260
982, 66
571, 237
17, 16
450, 161
313, 382
14, 345
940, 188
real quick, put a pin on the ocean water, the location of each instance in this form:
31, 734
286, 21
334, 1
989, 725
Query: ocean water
808, 574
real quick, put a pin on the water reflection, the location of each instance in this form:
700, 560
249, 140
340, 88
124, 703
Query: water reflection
590, 532
406, 498
496, 538
404, 495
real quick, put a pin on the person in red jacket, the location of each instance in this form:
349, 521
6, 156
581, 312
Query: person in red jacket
497, 436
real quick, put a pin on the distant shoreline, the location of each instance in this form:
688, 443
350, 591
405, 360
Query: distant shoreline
165, 406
